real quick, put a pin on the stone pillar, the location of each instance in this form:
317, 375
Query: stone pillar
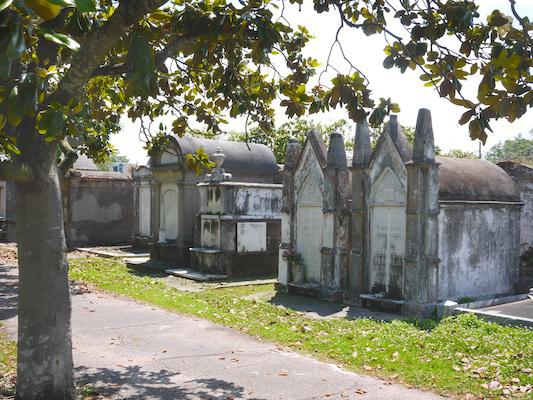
421, 257
288, 209
361, 158
336, 220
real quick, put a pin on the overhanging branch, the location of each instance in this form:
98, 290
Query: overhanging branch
70, 157
97, 45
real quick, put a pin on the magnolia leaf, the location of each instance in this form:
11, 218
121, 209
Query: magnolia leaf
61, 39
46, 9
86, 5
5, 4
62, 3
16, 45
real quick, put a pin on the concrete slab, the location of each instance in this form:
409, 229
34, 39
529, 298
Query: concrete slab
117, 251
195, 275
130, 350
522, 309
518, 313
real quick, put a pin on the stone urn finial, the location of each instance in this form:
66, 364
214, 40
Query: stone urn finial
217, 173
218, 157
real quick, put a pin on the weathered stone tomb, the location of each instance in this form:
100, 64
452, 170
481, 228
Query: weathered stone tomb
239, 226
168, 200
523, 177
396, 227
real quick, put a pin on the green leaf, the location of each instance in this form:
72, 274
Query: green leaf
62, 3
16, 45
86, 5
388, 62
60, 39
5, 4
51, 122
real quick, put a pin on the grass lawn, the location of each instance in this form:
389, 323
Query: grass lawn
461, 355
8, 366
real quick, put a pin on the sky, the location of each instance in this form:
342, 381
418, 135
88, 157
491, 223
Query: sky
366, 53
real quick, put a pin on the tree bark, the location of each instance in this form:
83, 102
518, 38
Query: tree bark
45, 368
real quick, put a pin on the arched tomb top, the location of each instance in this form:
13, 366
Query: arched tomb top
242, 159
462, 179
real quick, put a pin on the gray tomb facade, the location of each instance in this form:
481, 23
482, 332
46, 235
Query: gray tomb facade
172, 195
396, 227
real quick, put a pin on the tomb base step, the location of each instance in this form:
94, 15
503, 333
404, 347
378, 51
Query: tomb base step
523, 286
304, 289
381, 304
208, 260
195, 275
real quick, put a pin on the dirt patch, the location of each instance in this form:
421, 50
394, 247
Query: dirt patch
9, 254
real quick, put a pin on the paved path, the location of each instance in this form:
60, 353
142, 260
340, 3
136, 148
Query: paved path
522, 309
134, 351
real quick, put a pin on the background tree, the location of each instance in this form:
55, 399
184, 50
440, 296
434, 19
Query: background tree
114, 158
70, 68
277, 139
519, 149
457, 153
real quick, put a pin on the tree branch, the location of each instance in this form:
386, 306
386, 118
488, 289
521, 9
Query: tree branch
522, 22
97, 45
70, 157
107, 70
11, 170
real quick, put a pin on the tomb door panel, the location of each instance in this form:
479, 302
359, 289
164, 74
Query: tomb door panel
144, 211
387, 251
309, 240
169, 215
309, 228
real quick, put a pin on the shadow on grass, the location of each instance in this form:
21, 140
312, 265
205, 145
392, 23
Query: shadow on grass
146, 271
135, 383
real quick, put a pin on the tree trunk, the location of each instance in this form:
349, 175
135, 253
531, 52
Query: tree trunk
45, 368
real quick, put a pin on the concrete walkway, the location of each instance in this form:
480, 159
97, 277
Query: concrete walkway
129, 350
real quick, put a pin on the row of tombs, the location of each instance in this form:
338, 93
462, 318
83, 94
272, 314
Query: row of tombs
394, 226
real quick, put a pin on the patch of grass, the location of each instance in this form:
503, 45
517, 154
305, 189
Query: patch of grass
466, 300
460, 355
8, 366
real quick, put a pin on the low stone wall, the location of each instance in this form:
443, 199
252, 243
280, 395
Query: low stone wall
98, 208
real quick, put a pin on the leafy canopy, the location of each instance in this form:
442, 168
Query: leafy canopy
70, 68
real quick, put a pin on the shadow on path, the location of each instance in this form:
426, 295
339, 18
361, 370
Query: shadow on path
322, 309
8, 292
134, 383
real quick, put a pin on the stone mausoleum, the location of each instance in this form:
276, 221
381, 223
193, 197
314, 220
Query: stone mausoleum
181, 213
396, 227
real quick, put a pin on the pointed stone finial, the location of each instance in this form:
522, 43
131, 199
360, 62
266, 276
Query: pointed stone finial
395, 131
361, 150
336, 151
292, 153
394, 127
424, 143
